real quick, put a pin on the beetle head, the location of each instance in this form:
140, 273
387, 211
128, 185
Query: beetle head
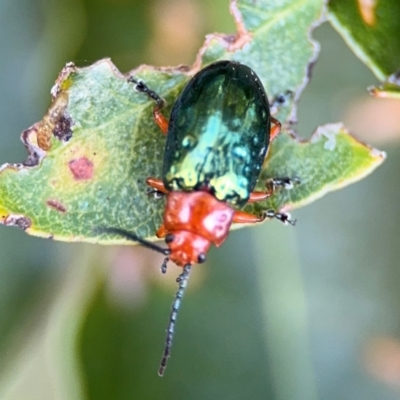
187, 247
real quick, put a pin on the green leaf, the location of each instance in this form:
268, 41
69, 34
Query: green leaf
371, 29
71, 185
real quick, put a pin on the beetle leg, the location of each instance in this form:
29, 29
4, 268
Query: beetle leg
284, 182
273, 184
142, 87
283, 217
242, 217
157, 184
160, 120
275, 129
158, 189
259, 196
161, 232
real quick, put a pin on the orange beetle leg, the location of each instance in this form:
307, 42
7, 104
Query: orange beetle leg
161, 232
259, 196
275, 129
272, 185
157, 184
241, 217
161, 121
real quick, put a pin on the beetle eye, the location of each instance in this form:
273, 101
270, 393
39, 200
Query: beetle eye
201, 258
169, 238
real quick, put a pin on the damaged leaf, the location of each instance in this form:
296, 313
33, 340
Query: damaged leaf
90, 155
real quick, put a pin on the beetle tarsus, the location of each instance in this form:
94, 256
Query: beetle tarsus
140, 86
283, 217
285, 183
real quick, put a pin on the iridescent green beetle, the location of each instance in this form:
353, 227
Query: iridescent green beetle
217, 139
218, 133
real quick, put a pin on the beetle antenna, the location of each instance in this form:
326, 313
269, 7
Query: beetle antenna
182, 279
164, 265
134, 238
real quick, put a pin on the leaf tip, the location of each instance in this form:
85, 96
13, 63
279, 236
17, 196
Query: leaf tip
379, 155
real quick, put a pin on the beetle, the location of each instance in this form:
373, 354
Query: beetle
217, 138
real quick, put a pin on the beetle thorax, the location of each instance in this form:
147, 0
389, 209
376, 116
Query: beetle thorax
195, 219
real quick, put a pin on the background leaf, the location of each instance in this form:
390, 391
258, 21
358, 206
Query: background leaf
371, 29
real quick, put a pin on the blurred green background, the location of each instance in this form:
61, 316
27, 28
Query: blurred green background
282, 313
